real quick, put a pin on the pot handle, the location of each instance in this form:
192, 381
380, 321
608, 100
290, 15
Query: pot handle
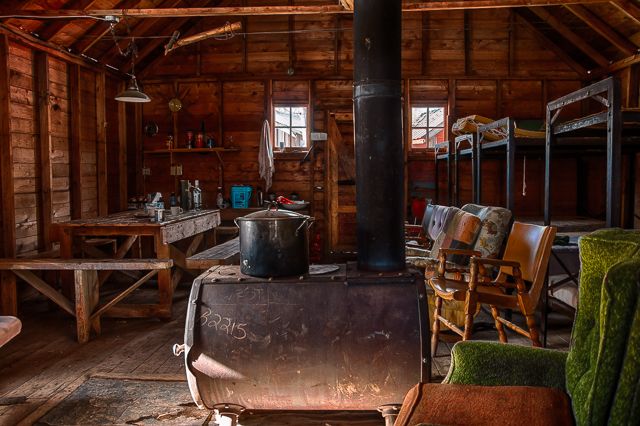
307, 221
235, 221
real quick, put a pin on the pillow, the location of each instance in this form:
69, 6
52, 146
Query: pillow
460, 233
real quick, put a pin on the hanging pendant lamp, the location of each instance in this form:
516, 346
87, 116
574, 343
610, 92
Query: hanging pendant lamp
133, 92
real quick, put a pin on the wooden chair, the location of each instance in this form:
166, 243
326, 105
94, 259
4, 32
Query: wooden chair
525, 260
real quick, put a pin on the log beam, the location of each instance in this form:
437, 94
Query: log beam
196, 12
572, 37
602, 28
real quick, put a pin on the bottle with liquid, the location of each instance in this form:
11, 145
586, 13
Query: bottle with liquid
220, 198
173, 200
160, 203
197, 195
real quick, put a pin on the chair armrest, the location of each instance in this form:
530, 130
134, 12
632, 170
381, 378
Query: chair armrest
499, 364
496, 262
447, 251
412, 227
416, 251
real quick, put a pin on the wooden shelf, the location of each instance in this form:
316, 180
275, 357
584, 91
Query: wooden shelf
190, 150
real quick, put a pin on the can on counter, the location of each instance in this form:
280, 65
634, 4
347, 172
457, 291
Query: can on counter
159, 215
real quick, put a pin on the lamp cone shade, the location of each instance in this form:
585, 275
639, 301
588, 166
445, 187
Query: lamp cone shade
133, 93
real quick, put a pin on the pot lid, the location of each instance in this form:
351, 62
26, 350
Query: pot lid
273, 214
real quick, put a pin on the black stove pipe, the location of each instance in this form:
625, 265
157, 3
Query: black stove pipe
377, 102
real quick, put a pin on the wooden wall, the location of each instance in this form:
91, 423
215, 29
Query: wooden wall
487, 62
56, 140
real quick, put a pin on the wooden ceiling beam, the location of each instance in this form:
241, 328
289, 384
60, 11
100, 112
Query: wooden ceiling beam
572, 37
547, 42
139, 30
151, 45
51, 29
602, 28
98, 31
629, 8
54, 50
195, 12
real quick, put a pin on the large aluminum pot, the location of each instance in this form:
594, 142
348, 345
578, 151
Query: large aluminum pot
274, 243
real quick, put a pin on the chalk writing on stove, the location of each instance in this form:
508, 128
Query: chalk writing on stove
223, 325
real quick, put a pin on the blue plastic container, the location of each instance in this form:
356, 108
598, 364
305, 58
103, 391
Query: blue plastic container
240, 196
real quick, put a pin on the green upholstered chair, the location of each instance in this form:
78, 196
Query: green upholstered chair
601, 371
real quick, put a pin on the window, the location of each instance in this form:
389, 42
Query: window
428, 126
291, 127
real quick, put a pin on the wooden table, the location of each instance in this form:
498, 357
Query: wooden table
190, 225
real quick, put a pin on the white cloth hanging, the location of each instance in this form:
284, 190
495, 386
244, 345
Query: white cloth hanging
265, 156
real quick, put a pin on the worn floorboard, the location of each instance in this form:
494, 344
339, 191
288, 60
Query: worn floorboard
44, 364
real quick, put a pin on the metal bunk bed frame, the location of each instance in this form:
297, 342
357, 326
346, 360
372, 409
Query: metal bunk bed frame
464, 145
614, 118
509, 142
443, 151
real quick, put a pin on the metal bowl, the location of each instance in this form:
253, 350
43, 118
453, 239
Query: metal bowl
298, 205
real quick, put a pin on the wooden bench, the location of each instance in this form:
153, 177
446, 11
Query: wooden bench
9, 328
223, 254
86, 308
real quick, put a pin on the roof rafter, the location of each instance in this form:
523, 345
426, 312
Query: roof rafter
575, 65
51, 29
152, 45
629, 8
567, 33
602, 28
98, 31
139, 30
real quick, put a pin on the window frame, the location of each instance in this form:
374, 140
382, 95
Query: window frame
285, 104
427, 104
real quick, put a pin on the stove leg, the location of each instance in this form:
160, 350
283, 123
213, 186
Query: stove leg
229, 411
389, 413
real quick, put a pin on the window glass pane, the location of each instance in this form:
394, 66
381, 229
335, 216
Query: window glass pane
436, 117
418, 138
290, 127
299, 137
299, 116
282, 116
419, 117
436, 135
282, 138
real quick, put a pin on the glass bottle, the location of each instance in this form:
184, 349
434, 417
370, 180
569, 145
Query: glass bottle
220, 198
197, 195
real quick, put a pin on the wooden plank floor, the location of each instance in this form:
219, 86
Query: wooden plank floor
44, 364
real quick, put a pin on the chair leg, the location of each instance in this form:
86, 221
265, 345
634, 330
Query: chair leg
499, 326
435, 331
533, 330
470, 306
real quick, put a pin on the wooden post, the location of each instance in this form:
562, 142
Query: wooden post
512, 43
8, 291
101, 145
75, 127
425, 42
137, 123
122, 153
44, 141
467, 42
